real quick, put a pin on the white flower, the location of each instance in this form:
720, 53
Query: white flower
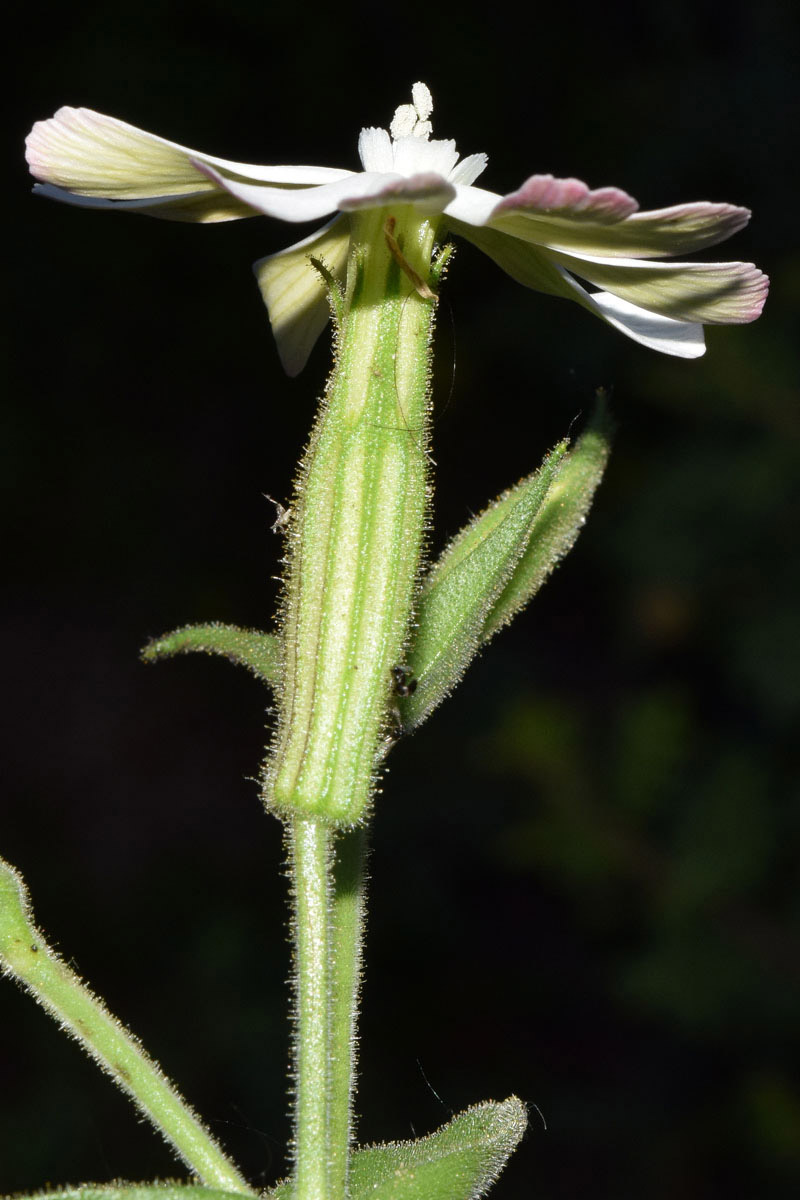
544, 234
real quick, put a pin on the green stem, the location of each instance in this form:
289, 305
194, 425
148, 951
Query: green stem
26, 956
347, 921
354, 549
310, 868
328, 898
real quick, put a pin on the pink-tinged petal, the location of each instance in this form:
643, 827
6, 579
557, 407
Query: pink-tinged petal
533, 268
200, 207
428, 192
545, 195
714, 293
366, 190
683, 228
659, 233
97, 155
295, 293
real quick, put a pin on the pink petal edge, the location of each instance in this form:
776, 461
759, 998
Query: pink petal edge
548, 195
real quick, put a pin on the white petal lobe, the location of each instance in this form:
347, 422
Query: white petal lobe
294, 291
375, 150
681, 339
97, 155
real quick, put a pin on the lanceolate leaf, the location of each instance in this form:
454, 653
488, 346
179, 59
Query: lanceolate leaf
496, 564
459, 1162
559, 521
462, 588
259, 652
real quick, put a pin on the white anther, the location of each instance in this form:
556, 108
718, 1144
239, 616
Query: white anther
411, 120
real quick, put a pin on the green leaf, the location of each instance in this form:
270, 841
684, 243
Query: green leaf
462, 588
560, 520
460, 1161
26, 957
259, 652
495, 565
166, 1190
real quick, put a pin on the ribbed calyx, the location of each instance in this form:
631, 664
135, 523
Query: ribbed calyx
356, 532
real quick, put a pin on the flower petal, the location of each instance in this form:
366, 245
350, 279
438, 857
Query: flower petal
96, 155
714, 293
472, 205
203, 207
658, 233
468, 169
682, 339
375, 149
295, 293
417, 156
533, 268
522, 261
681, 229
369, 189
428, 192
545, 195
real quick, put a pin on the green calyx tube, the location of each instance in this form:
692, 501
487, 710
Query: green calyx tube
356, 531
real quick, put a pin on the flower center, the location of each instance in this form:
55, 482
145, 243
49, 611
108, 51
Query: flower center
406, 148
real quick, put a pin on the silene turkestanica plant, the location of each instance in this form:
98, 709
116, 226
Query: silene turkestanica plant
370, 637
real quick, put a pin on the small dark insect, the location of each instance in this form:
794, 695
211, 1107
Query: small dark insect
404, 682
282, 515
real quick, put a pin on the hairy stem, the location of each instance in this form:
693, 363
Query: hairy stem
347, 922
26, 957
310, 869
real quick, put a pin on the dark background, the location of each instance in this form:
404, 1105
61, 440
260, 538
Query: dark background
585, 884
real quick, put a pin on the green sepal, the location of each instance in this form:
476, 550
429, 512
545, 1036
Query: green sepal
166, 1190
496, 564
460, 1161
461, 589
259, 652
560, 520
334, 290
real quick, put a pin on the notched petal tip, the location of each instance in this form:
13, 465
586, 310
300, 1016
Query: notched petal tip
751, 292
92, 154
46, 135
466, 171
375, 149
719, 293
544, 195
683, 228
